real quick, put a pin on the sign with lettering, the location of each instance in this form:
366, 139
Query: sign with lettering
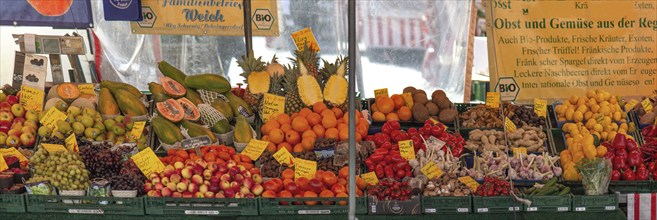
493, 99
305, 38
51, 117
13, 152
87, 88
272, 105
408, 99
471, 183
284, 157
431, 170
509, 125
255, 148
72, 143
556, 49
138, 129
379, 92
52, 148
370, 178
406, 149
304, 168
3, 164
205, 17
32, 98
147, 162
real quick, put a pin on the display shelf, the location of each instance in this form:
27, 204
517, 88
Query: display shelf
296, 206
85, 205
446, 204
200, 206
549, 203
12, 203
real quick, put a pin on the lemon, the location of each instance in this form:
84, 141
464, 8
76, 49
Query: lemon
578, 116
597, 128
569, 114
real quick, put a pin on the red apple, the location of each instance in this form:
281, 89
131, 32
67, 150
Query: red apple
156, 180
226, 177
212, 167
214, 188
229, 193
192, 187
249, 195
207, 174
6, 116
5, 126
257, 189
18, 110
159, 186
197, 179
248, 183
187, 195
165, 180
199, 195
235, 186
168, 170
244, 190
27, 139
166, 192
209, 194
171, 186
222, 169
178, 165
238, 178
13, 141
186, 173
176, 195
239, 195
219, 195
148, 186
246, 174
257, 178
224, 185
154, 193
5, 107
181, 187
175, 178
215, 180
28, 129
17, 120
15, 132
203, 188
12, 99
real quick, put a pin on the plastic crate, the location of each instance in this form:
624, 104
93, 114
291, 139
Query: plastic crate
12, 203
201, 206
446, 204
289, 206
601, 203
549, 203
86, 205
495, 204
630, 186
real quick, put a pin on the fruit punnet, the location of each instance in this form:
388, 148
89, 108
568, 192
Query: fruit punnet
190, 110
171, 110
173, 88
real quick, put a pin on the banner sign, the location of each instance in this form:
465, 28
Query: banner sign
556, 49
206, 17
53, 13
122, 10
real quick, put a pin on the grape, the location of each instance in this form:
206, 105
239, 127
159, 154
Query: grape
100, 160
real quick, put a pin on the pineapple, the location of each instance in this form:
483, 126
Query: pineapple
293, 102
308, 57
308, 87
258, 81
335, 90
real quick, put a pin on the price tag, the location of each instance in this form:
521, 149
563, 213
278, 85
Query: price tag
51, 117
431, 170
3, 164
137, 129
406, 149
647, 105
631, 104
195, 142
305, 37
32, 99
509, 125
272, 105
370, 178
434, 121
408, 99
517, 151
254, 148
13, 152
471, 183
378, 92
493, 99
52, 148
147, 162
87, 88
540, 107
284, 157
72, 143
304, 168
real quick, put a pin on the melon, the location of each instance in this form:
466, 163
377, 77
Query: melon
171, 110
172, 87
67, 91
191, 111
83, 103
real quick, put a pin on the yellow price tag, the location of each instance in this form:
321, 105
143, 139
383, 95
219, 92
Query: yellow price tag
72, 143
147, 162
493, 99
137, 129
255, 148
32, 99
370, 178
304, 168
272, 105
631, 104
509, 125
3, 164
284, 157
406, 149
431, 170
87, 88
517, 151
305, 37
408, 99
540, 107
378, 92
647, 105
13, 152
51, 117
434, 121
52, 148
469, 182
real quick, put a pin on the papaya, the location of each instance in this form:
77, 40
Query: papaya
193, 96
158, 92
196, 130
172, 72
221, 127
243, 131
240, 107
166, 131
129, 104
190, 110
209, 82
225, 108
115, 86
173, 88
170, 110
106, 103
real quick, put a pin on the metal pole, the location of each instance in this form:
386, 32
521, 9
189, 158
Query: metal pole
351, 11
248, 33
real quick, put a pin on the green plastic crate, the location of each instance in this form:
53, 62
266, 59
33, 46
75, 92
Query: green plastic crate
446, 204
630, 186
290, 206
495, 204
601, 203
12, 203
549, 203
85, 205
201, 206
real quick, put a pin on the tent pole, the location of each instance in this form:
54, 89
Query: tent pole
351, 12
248, 32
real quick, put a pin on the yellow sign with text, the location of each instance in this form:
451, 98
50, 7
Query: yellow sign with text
540, 107
370, 178
51, 117
518, 151
647, 105
379, 92
32, 99
72, 143
284, 157
304, 168
557, 49
305, 37
52, 148
272, 105
406, 149
509, 125
408, 99
3, 164
469, 182
147, 162
255, 148
493, 99
137, 129
13, 152
431, 170
87, 88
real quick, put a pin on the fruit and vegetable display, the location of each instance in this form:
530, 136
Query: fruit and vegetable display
323, 185
18, 127
645, 117
534, 139
416, 107
493, 186
64, 170
447, 185
481, 116
548, 188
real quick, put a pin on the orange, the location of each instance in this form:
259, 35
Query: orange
337, 111
398, 100
344, 172
344, 134
285, 145
327, 194
300, 124
341, 182
360, 183
310, 194
271, 147
329, 178
319, 107
392, 117
343, 126
308, 143
314, 118
332, 133
341, 194
287, 174
359, 137
378, 116
309, 133
326, 112
265, 138
304, 112
271, 124
283, 119
404, 113
286, 127
292, 137
374, 108
319, 131
385, 104
298, 148
361, 129
276, 136
329, 120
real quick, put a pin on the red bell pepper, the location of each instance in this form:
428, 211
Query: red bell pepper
615, 175
631, 145
634, 158
619, 141
619, 163
628, 175
642, 173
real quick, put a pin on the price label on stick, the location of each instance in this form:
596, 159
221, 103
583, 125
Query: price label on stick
3, 164
255, 148
72, 143
509, 125
517, 151
137, 129
31, 98
13, 152
51, 117
379, 92
540, 107
147, 162
284, 157
493, 99
469, 182
52, 148
631, 104
406, 149
272, 105
647, 105
408, 99
431, 170
304, 168
305, 37
370, 178
87, 88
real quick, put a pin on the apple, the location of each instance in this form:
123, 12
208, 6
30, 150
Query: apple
178, 165
148, 186
11, 99
168, 170
239, 195
156, 180
257, 189
229, 193
165, 180
5, 126
3, 138
27, 139
5, 107
187, 195
17, 121
181, 187
234, 171
31, 115
13, 141
176, 195
203, 188
171, 186
199, 195
257, 178
235, 186
244, 190
242, 168
201, 163
28, 129
30, 123
222, 169
15, 132
214, 188
206, 182
166, 192
209, 194
231, 164
219, 195
248, 183
207, 174
192, 187
6, 116
246, 174
154, 193
159, 186
197, 179
249, 195
175, 178
18, 110
215, 180
238, 178
153, 175
186, 173
212, 167
226, 177
224, 185
198, 170
185, 181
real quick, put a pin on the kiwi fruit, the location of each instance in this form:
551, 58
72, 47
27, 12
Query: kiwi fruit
432, 108
443, 102
410, 89
420, 113
421, 92
420, 98
448, 115
438, 94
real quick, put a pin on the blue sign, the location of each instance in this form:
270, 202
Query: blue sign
53, 13
122, 10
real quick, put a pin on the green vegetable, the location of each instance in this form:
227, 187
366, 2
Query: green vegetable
596, 175
564, 191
